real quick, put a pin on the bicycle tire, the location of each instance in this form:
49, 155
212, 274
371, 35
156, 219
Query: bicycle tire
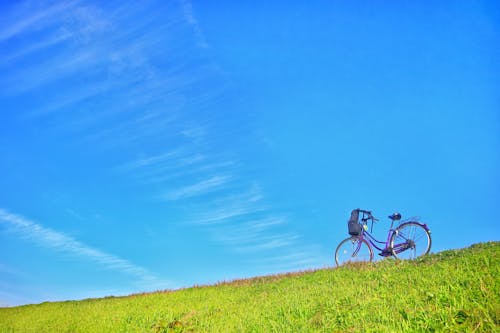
346, 251
410, 240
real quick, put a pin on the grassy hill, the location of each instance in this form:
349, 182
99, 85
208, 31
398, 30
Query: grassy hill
451, 291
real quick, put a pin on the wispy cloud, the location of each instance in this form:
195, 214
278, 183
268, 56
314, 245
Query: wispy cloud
254, 233
224, 214
266, 243
56, 38
299, 258
49, 71
250, 231
164, 175
191, 19
61, 242
38, 18
208, 185
119, 52
150, 161
181, 165
245, 223
6, 270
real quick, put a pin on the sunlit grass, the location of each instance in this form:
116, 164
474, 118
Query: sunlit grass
451, 291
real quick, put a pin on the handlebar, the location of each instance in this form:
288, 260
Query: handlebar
369, 214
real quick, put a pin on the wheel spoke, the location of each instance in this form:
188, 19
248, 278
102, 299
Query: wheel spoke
353, 250
413, 234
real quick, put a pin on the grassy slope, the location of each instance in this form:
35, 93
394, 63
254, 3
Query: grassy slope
454, 291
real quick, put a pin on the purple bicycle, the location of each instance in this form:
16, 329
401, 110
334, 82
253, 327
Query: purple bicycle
409, 240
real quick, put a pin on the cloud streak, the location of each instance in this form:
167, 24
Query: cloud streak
61, 242
36, 20
209, 185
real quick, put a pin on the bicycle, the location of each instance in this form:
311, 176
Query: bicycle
409, 240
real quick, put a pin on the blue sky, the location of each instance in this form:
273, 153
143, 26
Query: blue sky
161, 144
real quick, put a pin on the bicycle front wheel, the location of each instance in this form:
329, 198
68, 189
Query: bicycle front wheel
353, 249
410, 240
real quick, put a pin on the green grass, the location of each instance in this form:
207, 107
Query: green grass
451, 291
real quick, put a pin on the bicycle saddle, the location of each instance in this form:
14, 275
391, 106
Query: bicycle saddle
395, 217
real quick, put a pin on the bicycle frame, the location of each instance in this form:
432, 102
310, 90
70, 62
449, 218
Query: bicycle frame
386, 251
372, 240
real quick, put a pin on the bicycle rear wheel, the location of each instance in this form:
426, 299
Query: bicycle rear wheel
410, 240
353, 250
